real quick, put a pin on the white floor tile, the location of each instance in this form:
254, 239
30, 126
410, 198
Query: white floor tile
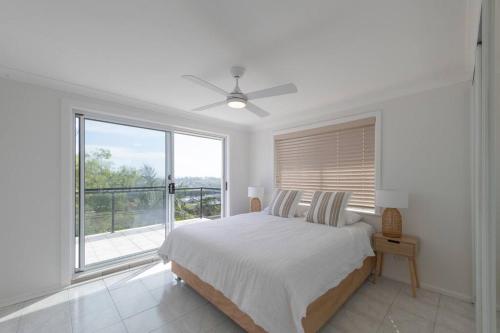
91, 303
9, 318
455, 321
56, 300
157, 280
424, 305
148, 320
9, 326
46, 314
86, 289
368, 306
201, 320
60, 323
95, 320
115, 328
132, 299
443, 329
177, 299
384, 290
401, 321
119, 280
347, 321
227, 326
459, 307
423, 295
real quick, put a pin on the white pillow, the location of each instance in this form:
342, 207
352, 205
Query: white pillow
351, 217
301, 210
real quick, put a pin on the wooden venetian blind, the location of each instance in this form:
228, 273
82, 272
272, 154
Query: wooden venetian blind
333, 158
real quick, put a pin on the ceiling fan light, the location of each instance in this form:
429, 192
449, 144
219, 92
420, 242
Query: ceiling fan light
236, 103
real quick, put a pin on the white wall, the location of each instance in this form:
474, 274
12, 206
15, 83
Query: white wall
30, 182
425, 150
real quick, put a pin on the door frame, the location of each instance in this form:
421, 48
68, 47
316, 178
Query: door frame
69, 108
483, 191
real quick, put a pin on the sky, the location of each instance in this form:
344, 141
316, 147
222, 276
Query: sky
133, 146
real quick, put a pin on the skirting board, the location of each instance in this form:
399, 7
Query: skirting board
30, 295
81, 278
429, 287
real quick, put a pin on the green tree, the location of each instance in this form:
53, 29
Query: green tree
149, 177
99, 172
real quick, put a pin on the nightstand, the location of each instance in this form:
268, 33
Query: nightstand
405, 246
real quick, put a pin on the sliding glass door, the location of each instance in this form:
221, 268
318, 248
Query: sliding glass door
122, 200
126, 196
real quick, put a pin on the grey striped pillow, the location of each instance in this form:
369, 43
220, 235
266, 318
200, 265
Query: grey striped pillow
328, 208
284, 203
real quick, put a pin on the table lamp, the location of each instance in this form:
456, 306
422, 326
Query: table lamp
391, 200
255, 194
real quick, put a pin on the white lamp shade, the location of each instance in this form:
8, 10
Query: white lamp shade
255, 192
391, 199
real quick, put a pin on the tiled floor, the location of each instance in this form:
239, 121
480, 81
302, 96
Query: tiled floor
121, 243
149, 299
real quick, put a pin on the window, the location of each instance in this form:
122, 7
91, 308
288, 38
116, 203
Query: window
339, 157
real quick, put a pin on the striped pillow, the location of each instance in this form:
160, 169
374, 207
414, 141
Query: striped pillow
328, 208
284, 203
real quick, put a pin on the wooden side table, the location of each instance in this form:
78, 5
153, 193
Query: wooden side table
405, 246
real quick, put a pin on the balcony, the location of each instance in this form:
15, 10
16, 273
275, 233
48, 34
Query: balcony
125, 221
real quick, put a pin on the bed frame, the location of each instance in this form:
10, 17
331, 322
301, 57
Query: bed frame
318, 312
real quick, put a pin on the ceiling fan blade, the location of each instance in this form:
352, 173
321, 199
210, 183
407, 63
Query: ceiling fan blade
205, 107
256, 110
205, 84
283, 89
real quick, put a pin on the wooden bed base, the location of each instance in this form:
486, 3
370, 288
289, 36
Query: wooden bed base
318, 312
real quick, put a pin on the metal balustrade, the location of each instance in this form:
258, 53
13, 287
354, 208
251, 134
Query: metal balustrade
112, 209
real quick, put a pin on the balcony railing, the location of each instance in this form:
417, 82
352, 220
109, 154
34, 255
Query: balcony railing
112, 209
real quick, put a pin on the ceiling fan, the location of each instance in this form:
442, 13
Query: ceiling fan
236, 99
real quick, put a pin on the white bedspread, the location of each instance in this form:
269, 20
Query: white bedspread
272, 268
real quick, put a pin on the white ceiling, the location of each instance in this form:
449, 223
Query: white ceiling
334, 51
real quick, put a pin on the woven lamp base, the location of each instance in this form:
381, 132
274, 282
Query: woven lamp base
255, 205
392, 224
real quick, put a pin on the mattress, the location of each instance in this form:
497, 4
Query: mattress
271, 267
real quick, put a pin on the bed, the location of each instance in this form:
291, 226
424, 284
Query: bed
269, 273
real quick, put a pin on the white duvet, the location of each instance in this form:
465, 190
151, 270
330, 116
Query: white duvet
271, 267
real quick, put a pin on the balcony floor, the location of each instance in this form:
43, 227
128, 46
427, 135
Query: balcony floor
107, 246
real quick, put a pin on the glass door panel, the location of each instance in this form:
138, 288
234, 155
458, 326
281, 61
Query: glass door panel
125, 194
199, 177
